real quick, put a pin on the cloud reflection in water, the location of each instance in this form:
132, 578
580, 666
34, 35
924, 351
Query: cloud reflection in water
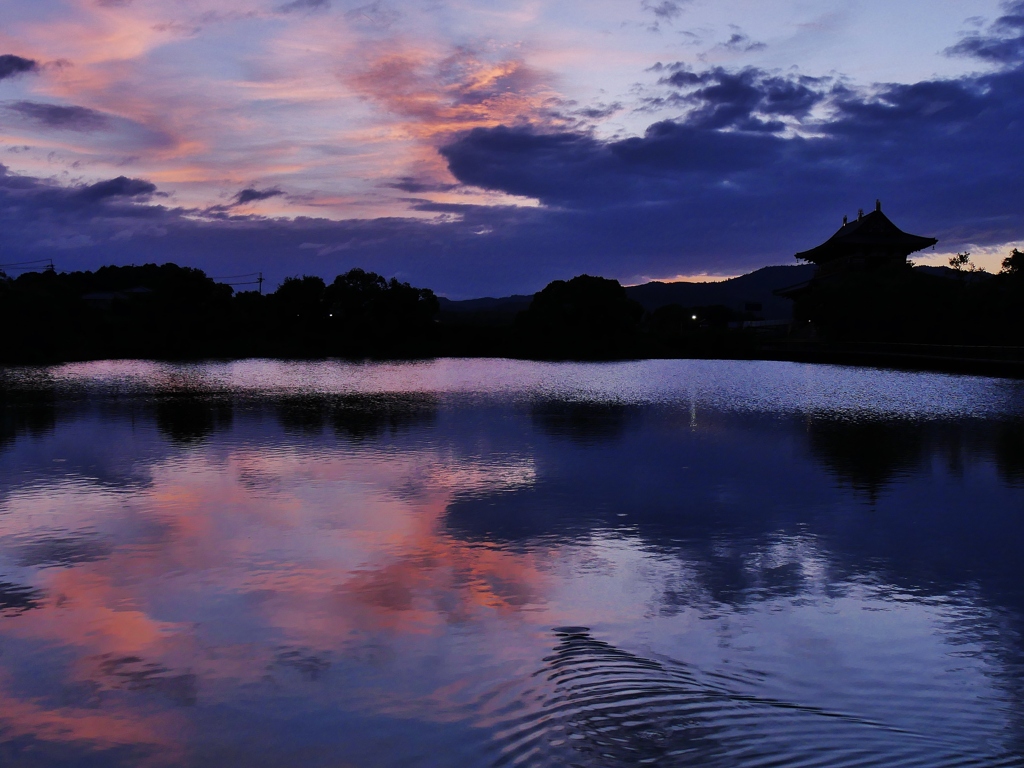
367, 566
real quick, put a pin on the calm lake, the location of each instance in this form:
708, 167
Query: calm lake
503, 563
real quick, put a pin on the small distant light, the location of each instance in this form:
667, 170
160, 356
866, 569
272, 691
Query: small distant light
331, 314
693, 317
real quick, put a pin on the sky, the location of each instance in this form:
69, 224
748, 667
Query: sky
484, 148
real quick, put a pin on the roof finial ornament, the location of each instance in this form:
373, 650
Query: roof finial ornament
844, 221
860, 214
878, 205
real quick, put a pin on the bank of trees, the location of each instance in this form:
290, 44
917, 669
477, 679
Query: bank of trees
962, 307
171, 312
360, 314
167, 311
150, 310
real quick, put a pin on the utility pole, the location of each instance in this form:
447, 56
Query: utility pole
259, 281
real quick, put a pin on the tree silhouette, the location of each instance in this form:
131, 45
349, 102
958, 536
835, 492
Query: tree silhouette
585, 317
1014, 263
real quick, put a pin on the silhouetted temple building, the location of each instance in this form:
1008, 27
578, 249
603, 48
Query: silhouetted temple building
870, 242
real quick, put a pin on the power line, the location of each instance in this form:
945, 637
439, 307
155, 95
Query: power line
258, 281
48, 262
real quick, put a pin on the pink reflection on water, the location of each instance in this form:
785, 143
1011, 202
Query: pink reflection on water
240, 555
249, 571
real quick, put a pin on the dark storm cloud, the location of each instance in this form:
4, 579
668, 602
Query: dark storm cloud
1003, 43
749, 99
252, 195
11, 65
920, 107
25, 201
70, 118
572, 169
121, 187
417, 186
946, 151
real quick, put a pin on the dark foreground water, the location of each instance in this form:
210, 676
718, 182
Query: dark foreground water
482, 563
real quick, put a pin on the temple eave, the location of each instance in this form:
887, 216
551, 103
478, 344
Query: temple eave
830, 251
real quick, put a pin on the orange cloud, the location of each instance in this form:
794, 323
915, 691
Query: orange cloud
439, 96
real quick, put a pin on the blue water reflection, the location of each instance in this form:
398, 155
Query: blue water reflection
467, 563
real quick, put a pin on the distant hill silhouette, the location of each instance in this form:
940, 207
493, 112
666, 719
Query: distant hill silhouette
488, 310
735, 293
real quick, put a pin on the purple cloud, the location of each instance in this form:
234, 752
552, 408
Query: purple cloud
11, 65
665, 10
252, 195
121, 187
1003, 43
757, 166
70, 118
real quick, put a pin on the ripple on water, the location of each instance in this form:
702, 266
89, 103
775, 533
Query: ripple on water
593, 704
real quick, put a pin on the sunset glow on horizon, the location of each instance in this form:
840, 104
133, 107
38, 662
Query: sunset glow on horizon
484, 150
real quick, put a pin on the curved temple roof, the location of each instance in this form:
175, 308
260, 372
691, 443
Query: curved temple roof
871, 233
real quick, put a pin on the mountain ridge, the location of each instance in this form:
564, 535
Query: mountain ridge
753, 288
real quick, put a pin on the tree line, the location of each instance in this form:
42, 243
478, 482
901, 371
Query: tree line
172, 312
963, 306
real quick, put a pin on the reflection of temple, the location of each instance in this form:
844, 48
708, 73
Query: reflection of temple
870, 242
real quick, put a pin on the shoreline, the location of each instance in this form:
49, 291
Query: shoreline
995, 361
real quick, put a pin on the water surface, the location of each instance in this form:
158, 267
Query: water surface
487, 562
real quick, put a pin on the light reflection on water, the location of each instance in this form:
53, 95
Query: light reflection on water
473, 563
